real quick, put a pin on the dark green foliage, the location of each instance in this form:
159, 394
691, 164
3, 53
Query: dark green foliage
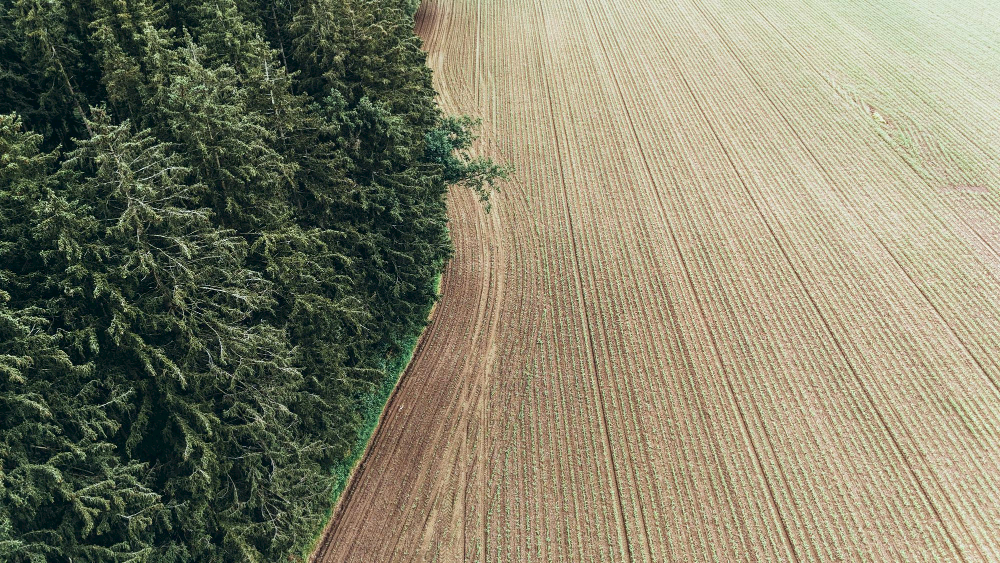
448, 145
217, 222
64, 490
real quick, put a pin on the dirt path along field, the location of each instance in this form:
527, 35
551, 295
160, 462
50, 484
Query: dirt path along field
741, 302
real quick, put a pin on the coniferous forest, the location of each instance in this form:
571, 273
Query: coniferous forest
219, 220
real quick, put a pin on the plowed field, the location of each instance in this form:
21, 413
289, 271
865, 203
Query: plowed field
741, 302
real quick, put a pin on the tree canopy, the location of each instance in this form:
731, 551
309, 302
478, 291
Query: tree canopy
218, 221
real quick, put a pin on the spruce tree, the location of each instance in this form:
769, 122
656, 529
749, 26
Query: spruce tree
65, 493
